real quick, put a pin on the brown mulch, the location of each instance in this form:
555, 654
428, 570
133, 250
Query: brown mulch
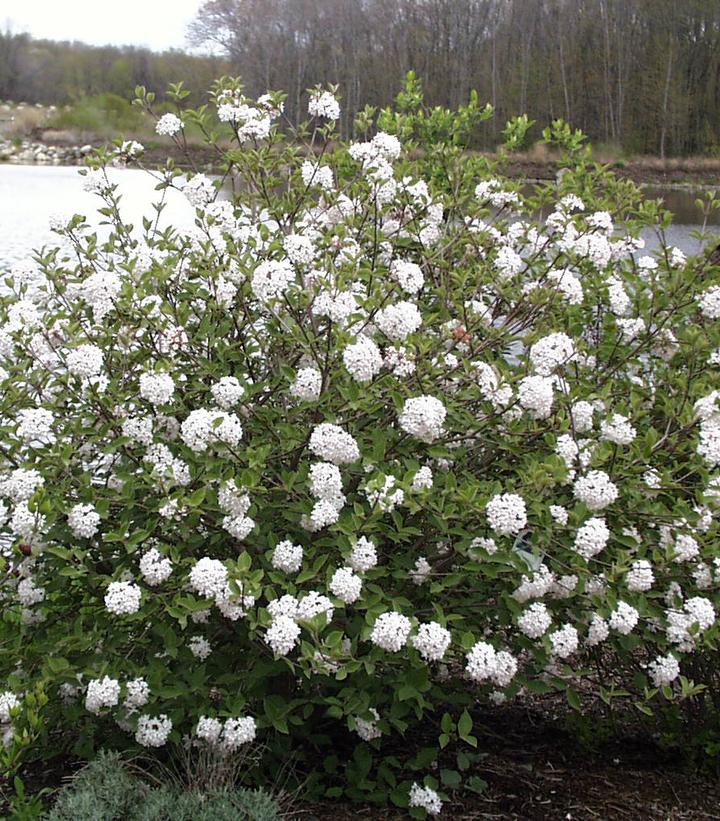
535, 770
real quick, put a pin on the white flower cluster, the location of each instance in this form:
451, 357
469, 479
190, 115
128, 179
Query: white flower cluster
664, 670
391, 631
595, 490
346, 585
431, 641
307, 385
506, 514
235, 502
84, 521
366, 729
363, 556
423, 417
332, 444
153, 731
551, 352
591, 538
154, 567
709, 302
287, 557
168, 125
272, 279
399, 320
157, 388
324, 104
227, 392
204, 428
229, 736
102, 693
122, 598
485, 663
426, 798
85, 361
618, 430
408, 274
640, 577
535, 620
623, 618
363, 359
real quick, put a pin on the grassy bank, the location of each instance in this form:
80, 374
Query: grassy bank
96, 120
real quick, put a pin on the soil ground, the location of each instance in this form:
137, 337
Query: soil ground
536, 770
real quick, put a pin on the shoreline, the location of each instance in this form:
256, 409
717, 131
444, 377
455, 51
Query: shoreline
678, 173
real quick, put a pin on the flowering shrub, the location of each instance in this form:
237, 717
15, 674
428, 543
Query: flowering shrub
357, 451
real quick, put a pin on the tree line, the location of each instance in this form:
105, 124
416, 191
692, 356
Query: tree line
640, 74
53, 73
643, 75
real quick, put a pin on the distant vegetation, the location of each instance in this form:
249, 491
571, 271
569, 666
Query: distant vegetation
54, 73
638, 76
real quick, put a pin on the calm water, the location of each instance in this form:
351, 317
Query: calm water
31, 195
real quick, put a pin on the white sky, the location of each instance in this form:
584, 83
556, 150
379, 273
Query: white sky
158, 24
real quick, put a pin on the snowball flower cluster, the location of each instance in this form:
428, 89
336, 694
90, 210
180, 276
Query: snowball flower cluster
591, 538
287, 557
485, 663
282, 635
84, 521
101, 693
307, 384
535, 394
324, 104
595, 490
153, 731
85, 361
564, 641
551, 352
168, 125
535, 620
623, 618
618, 430
154, 567
408, 274
506, 514
391, 631
664, 670
363, 359
157, 388
346, 585
227, 392
203, 428
423, 417
640, 577
332, 444
431, 641
709, 302
399, 320
363, 556
209, 577
271, 279
122, 598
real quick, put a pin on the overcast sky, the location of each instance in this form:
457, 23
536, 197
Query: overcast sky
159, 24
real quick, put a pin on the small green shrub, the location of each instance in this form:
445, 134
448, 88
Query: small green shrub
107, 791
104, 114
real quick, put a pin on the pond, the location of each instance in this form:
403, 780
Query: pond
31, 194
